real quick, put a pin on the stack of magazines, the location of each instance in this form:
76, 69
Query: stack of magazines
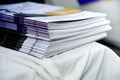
43, 30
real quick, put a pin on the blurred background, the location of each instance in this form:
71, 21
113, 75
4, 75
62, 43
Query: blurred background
16, 1
110, 7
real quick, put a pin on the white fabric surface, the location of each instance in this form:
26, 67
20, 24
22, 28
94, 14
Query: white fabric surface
89, 62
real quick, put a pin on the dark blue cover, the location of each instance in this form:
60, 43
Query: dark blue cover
82, 2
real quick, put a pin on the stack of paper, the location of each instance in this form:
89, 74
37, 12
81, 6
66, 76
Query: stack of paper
44, 30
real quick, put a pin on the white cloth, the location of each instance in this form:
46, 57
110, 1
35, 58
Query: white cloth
89, 62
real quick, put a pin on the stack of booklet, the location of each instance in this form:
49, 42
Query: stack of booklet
44, 30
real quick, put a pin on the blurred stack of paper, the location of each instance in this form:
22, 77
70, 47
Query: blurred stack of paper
43, 30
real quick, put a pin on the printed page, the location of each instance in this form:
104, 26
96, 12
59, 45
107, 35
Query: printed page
47, 13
